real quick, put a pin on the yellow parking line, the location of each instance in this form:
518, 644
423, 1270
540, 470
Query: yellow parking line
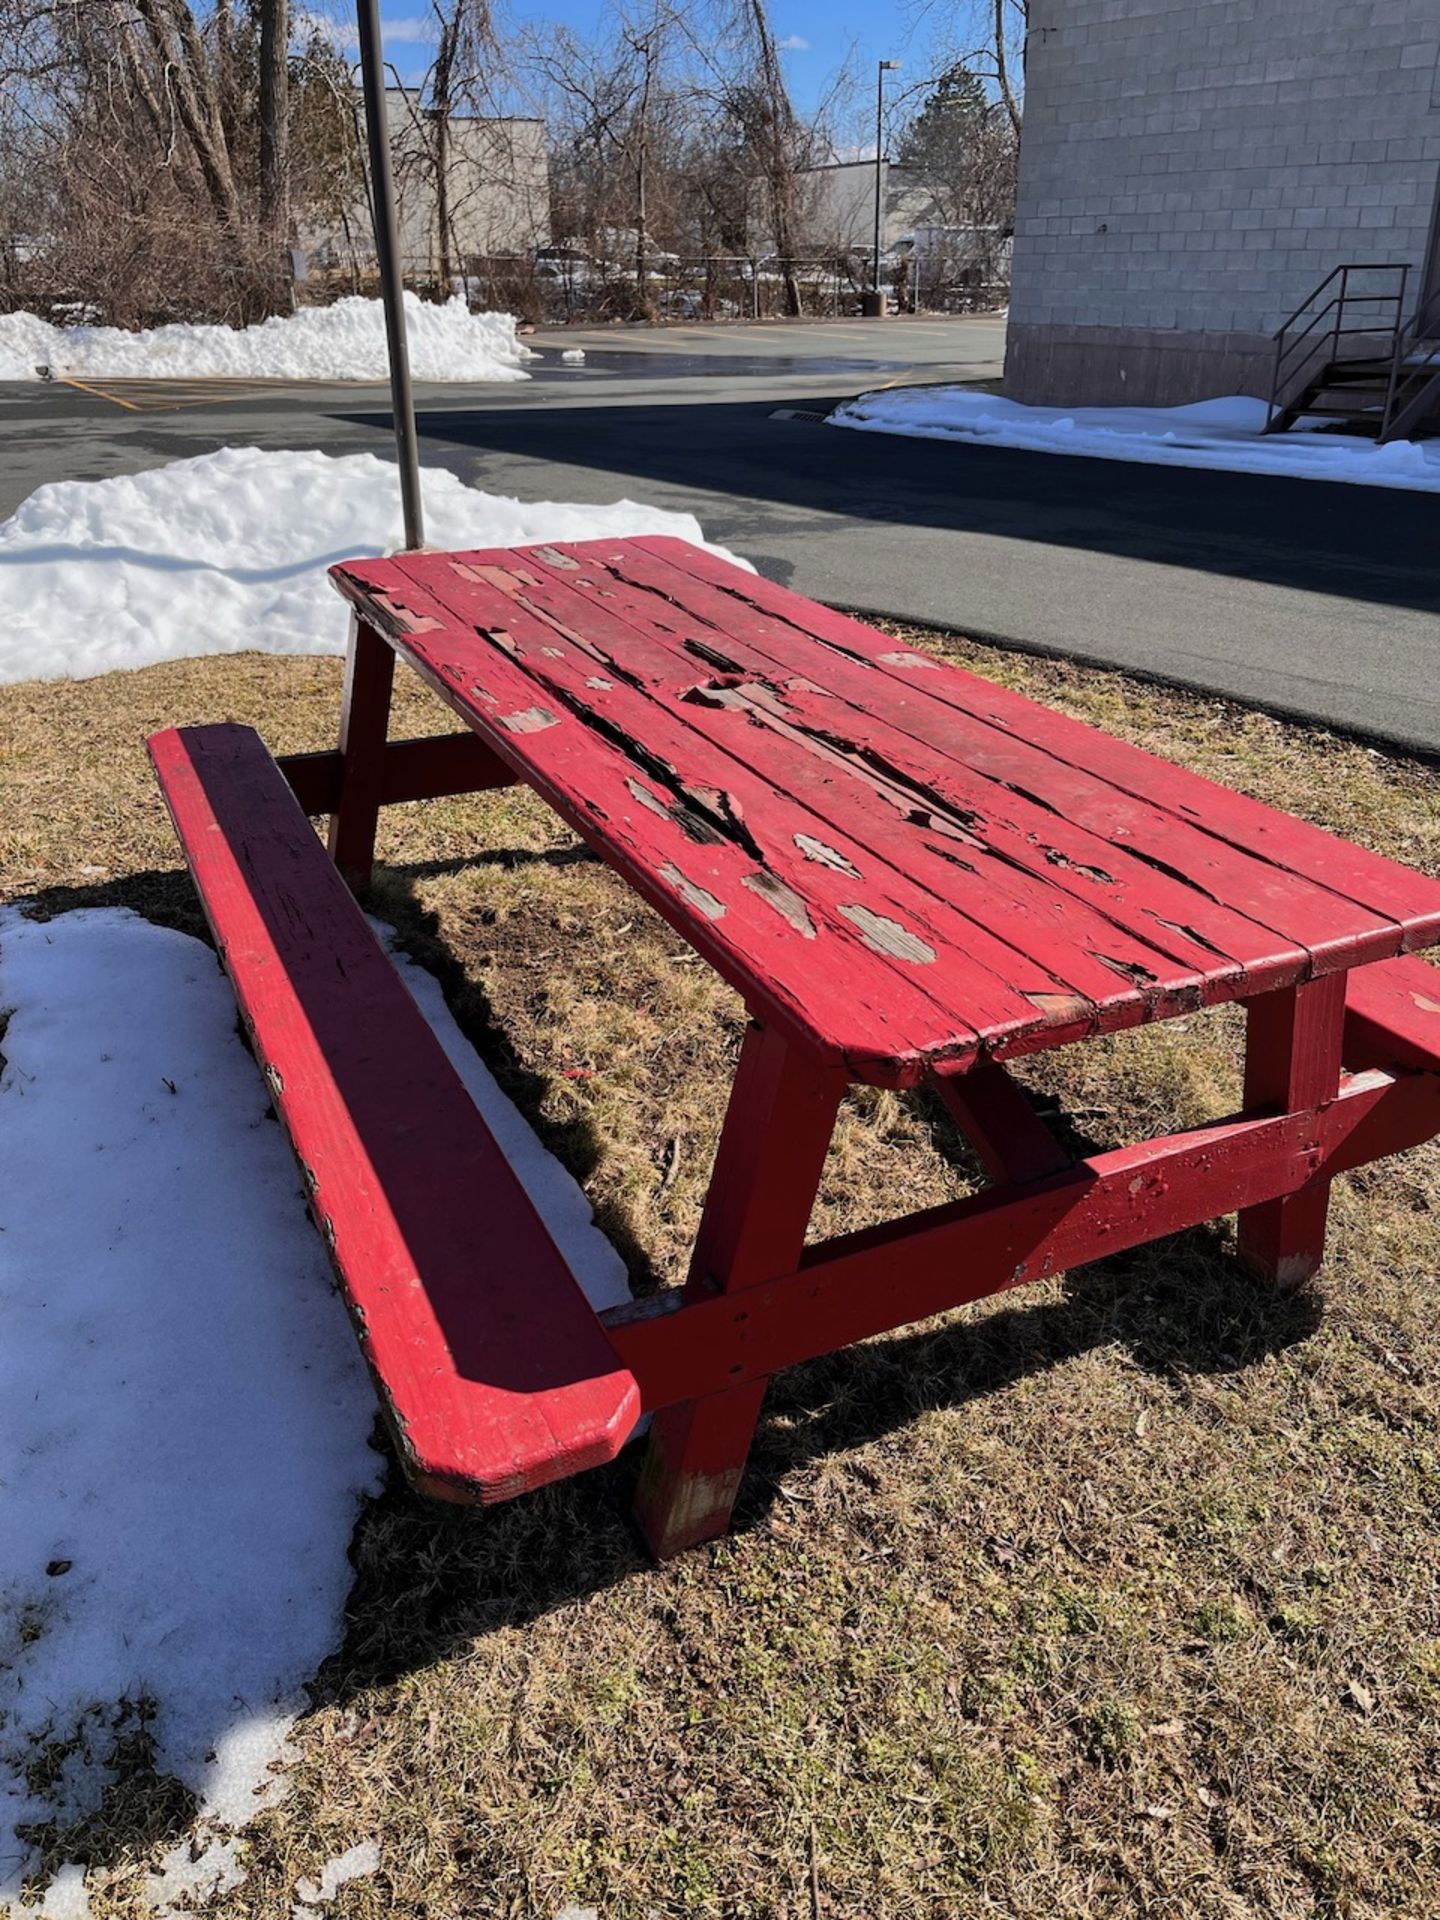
100, 393
138, 395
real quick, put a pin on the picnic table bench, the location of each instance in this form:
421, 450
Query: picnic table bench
909, 874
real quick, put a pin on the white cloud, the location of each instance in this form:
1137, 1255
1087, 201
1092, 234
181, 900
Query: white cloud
793, 43
409, 32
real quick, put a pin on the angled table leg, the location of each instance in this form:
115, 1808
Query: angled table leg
364, 728
767, 1172
1012, 1141
1292, 1060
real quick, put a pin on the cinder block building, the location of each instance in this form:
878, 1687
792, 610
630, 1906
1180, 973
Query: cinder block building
496, 204
1190, 171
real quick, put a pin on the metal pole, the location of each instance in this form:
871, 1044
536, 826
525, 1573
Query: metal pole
883, 67
879, 144
387, 248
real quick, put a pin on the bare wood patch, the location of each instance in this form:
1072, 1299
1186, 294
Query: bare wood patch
648, 799
786, 902
532, 720
825, 856
693, 895
887, 936
908, 660
393, 616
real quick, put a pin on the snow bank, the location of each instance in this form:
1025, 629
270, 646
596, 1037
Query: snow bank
229, 551
342, 342
184, 1415
1224, 434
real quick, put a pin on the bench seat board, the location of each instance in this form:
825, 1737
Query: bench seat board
1392, 1015
495, 1371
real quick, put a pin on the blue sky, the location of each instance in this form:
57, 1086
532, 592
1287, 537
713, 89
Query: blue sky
816, 36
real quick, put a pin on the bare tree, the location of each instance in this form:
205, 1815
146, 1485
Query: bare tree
618, 108
147, 151
467, 38
274, 116
987, 37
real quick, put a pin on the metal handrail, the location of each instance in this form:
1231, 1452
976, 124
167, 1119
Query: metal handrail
1341, 304
1425, 320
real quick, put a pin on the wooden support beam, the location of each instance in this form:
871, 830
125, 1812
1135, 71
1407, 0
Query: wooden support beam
874, 1281
772, 1149
364, 724
1292, 1061
999, 1122
426, 769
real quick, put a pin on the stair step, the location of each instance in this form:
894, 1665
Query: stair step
1337, 413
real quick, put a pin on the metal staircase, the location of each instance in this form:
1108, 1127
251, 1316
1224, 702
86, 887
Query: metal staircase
1348, 356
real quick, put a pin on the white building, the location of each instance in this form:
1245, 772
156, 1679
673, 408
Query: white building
1191, 169
498, 178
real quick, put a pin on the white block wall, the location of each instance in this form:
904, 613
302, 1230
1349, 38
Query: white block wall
1198, 167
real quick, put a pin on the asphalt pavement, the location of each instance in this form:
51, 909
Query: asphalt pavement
1308, 597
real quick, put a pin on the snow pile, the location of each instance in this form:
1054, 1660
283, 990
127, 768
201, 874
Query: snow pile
342, 342
184, 1414
1225, 434
229, 551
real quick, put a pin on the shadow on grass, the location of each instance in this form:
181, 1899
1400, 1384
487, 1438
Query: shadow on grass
430, 1578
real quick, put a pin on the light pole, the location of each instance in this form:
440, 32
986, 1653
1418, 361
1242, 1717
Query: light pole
387, 250
876, 304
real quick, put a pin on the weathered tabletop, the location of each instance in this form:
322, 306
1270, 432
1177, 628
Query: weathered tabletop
902, 864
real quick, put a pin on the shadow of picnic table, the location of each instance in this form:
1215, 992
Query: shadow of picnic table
430, 1578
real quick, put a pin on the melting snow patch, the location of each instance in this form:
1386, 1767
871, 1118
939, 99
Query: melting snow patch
65, 1897
184, 1414
357, 1864
199, 1868
1224, 434
342, 342
228, 552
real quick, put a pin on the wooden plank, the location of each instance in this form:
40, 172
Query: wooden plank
563, 632
989, 821
426, 769
1071, 764
1292, 1061
1392, 1015
872, 1282
1013, 977
772, 1150
885, 1026
495, 1371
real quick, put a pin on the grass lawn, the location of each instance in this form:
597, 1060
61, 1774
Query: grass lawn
1115, 1597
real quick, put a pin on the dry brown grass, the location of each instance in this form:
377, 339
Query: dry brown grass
1117, 1597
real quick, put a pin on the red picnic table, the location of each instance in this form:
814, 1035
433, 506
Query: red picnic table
909, 874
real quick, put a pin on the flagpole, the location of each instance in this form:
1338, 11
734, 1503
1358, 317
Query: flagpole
387, 249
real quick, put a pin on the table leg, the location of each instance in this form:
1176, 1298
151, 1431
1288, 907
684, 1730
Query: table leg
1292, 1061
767, 1171
364, 728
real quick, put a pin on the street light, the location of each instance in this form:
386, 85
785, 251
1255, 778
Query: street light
877, 304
